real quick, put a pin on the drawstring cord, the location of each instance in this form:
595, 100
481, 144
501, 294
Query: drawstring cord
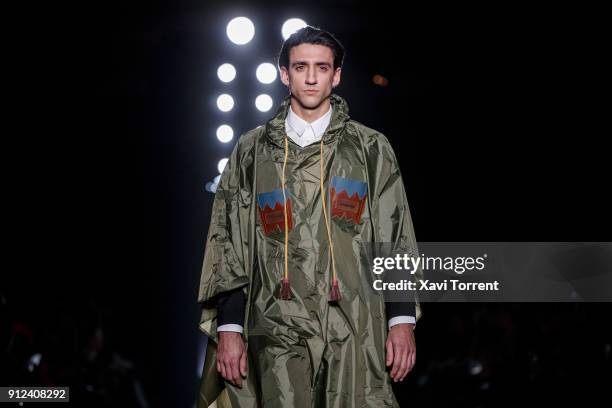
335, 290
285, 292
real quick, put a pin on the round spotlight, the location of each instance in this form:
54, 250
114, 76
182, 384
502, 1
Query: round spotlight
263, 102
380, 80
225, 103
291, 26
226, 72
208, 186
221, 165
216, 179
225, 133
240, 30
266, 73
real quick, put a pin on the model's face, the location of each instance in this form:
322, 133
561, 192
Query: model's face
310, 75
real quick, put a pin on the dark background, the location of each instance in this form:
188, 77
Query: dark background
498, 115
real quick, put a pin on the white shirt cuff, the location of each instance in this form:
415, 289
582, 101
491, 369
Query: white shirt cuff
392, 322
230, 328
401, 319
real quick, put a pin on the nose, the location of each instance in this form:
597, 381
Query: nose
311, 76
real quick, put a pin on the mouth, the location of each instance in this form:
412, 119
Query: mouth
311, 91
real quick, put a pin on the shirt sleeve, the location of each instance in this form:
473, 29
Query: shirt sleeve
230, 328
402, 319
400, 312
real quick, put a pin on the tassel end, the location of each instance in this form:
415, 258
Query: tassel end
335, 295
285, 291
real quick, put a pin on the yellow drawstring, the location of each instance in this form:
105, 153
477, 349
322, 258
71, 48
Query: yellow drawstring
335, 292
285, 292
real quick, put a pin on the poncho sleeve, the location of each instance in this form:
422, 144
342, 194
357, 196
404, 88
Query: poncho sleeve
394, 221
226, 251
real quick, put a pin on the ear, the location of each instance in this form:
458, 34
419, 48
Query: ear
336, 79
284, 74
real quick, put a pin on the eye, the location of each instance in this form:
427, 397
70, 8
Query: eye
324, 69
299, 68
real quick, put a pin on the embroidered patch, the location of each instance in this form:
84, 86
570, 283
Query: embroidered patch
271, 211
347, 198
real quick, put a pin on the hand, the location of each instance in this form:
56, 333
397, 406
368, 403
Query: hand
232, 357
401, 350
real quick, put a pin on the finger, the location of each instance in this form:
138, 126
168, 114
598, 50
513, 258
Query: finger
397, 365
243, 364
222, 369
403, 364
235, 372
228, 372
404, 367
389, 353
397, 361
411, 361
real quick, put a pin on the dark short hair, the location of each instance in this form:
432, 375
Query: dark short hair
311, 35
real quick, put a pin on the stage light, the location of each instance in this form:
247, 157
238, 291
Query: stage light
266, 73
263, 102
291, 26
216, 179
225, 102
208, 186
34, 362
380, 80
226, 72
221, 165
475, 367
225, 133
240, 30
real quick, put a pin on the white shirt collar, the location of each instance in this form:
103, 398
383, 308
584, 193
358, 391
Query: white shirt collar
296, 127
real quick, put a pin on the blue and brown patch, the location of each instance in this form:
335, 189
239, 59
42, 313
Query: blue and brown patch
271, 211
347, 198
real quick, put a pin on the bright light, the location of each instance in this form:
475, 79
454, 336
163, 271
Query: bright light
475, 368
34, 362
225, 103
291, 26
226, 72
216, 179
266, 73
263, 102
225, 133
221, 165
240, 30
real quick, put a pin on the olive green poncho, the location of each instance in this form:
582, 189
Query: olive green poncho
305, 351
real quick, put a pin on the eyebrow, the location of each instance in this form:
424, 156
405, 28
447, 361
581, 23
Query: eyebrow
306, 63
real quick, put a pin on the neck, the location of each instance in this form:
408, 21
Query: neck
310, 115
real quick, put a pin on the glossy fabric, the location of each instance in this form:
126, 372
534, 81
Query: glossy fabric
305, 352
